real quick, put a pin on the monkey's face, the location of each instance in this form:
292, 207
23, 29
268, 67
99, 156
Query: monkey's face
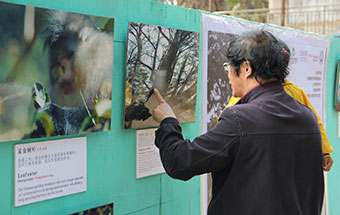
62, 70
62, 74
80, 60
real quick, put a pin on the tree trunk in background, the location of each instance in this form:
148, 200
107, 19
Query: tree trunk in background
278, 9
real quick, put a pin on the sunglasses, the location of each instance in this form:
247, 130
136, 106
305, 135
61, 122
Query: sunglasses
226, 67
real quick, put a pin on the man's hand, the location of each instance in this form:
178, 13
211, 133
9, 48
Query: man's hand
163, 110
327, 163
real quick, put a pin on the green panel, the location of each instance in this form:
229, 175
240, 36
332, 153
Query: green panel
111, 155
146, 211
332, 126
6, 166
178, 196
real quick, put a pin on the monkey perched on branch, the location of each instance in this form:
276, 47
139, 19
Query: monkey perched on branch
80, 59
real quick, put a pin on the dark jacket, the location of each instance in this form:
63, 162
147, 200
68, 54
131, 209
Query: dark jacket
264, 154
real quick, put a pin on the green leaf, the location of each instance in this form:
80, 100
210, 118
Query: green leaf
103, 108
39, 95
46, 121
85, 124
108, 28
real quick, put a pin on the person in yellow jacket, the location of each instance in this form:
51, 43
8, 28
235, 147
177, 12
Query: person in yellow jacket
297, 93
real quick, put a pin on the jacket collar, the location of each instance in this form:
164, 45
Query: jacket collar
255, 92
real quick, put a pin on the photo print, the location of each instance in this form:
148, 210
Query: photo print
56, 72
219, 89
337, 88
101, 210
162, 58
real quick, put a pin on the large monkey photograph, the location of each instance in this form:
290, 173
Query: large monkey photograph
56, 72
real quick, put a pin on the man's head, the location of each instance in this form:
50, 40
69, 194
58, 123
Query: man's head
255, 57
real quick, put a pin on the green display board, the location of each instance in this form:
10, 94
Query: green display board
111, 155
332, 126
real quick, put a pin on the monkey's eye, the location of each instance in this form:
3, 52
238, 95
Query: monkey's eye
55, 74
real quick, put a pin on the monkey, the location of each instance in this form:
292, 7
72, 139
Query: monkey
137, 111
80, 59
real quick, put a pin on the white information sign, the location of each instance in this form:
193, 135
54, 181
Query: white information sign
307, 66
49, 169
148, 160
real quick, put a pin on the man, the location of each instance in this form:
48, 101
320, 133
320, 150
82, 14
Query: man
255, 150
300, 95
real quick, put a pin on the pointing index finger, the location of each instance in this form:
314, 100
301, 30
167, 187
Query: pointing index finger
158, 96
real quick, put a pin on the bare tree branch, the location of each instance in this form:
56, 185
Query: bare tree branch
145, 65
156, 51
166, 37
148, 38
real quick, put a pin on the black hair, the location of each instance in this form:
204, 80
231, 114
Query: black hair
285, 51
267, 55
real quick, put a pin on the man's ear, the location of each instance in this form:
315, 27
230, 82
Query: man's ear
247, 69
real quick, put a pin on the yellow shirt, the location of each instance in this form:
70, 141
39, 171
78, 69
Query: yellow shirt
297, 93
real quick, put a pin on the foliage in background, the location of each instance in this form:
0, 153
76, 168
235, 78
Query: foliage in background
247, 4
219, 5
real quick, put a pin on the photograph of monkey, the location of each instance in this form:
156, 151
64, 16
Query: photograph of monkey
56, 72
162, 58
